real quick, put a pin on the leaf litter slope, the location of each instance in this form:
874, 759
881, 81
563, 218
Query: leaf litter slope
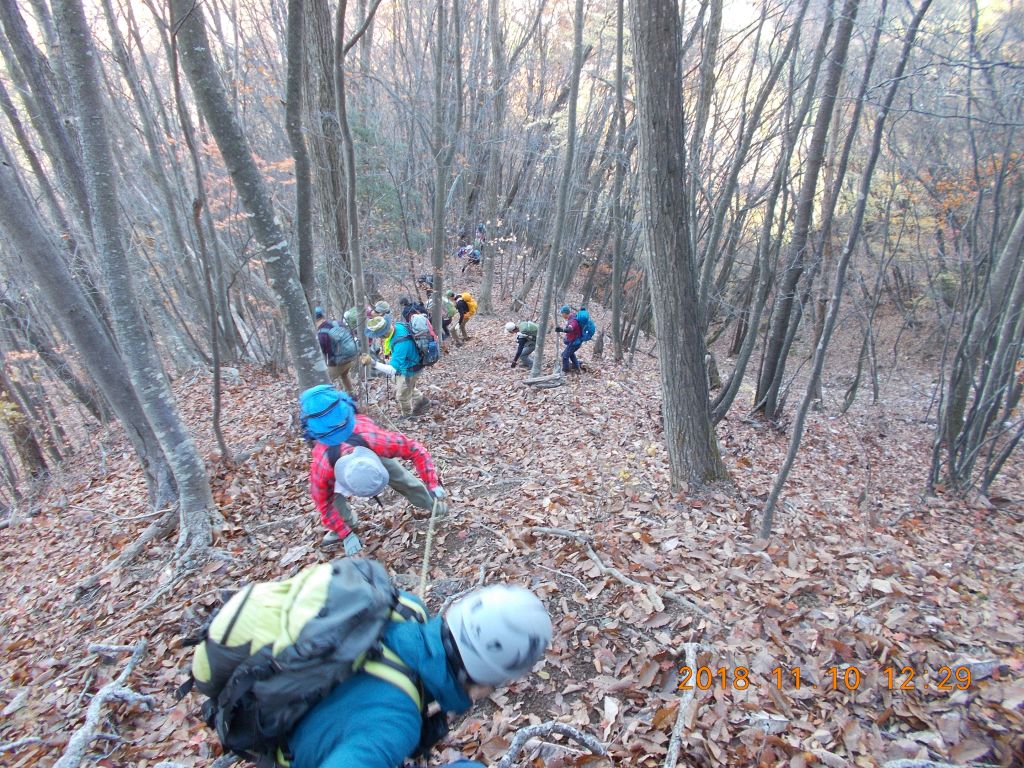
862, 572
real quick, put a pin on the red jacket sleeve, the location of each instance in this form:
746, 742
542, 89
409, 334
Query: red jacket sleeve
321, 488
395, 445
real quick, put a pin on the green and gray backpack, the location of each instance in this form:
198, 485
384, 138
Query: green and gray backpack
276, 649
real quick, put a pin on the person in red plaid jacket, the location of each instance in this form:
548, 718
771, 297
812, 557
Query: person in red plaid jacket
329, 418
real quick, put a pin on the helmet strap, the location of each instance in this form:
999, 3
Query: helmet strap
451, 651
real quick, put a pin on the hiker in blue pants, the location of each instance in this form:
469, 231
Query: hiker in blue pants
488, 638
573, 339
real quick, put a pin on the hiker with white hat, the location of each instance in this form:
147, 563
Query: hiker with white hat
353, 456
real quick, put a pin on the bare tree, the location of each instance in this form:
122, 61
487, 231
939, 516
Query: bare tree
689, 434
196, 506
197, 58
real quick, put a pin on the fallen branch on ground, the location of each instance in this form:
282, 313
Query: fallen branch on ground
115, 690
675, 742
16, 745
545, 382
919, 764
546, 729
652, 593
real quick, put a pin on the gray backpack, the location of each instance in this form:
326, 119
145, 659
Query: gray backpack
343, 344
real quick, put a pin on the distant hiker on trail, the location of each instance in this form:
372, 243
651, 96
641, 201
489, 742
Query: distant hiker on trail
470, 251
409, 307
342, 464
465, 305
526, 334
339, 348
573, 340
387, 676
447, 313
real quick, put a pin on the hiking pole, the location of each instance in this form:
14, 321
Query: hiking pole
427, 547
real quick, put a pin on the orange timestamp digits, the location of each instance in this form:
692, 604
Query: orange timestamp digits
896, 679
705, 678
834, 678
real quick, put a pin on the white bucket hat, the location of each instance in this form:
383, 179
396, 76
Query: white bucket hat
360, 473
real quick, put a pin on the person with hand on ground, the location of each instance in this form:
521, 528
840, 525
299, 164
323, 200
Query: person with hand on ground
573, 339
330, 421
487, 639
526, 334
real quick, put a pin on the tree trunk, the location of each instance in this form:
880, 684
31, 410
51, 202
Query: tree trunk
769, 384
689, 434
844, 261
293, 123
563, 192
620, 174
196, 504
197, 58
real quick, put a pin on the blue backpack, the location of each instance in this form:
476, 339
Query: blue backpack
587, 326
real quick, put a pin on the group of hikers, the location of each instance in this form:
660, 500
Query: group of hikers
335, 667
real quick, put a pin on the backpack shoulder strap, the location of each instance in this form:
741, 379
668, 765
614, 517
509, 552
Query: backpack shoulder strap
386, 665
333, 454
357, 440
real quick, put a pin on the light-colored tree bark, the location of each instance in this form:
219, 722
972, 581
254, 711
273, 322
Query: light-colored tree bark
769, 385
844, 261
197, 59
563, 192
196, 507
689, 434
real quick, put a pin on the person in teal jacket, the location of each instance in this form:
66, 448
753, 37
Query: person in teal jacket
405, 358
486, 639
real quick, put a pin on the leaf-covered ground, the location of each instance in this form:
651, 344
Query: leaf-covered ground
862, 575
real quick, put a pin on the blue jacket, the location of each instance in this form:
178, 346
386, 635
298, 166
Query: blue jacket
366, 722
404, 354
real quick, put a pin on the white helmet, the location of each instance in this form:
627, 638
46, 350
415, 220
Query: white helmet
511, 327
501, 632
360, 473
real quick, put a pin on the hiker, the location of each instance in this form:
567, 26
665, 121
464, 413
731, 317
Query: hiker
465, 305
386, 676
408, 307
330, 419
378, 334
339, 348
526, 334
408, 360
487, 639
447, 313
572, 339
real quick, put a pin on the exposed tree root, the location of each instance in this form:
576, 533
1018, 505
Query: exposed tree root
546, 729
159, 528
115, 690
653, 594
20, 744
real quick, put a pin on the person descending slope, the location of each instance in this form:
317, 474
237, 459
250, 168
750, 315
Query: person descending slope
338, 469
385, 676
339, 348
526, 335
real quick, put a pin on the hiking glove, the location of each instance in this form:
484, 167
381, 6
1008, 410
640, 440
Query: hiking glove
352, 544
440, 508
440, 493
365, 359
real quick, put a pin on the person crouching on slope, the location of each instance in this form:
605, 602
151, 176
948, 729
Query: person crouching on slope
488, 638
329, 419
526, 335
